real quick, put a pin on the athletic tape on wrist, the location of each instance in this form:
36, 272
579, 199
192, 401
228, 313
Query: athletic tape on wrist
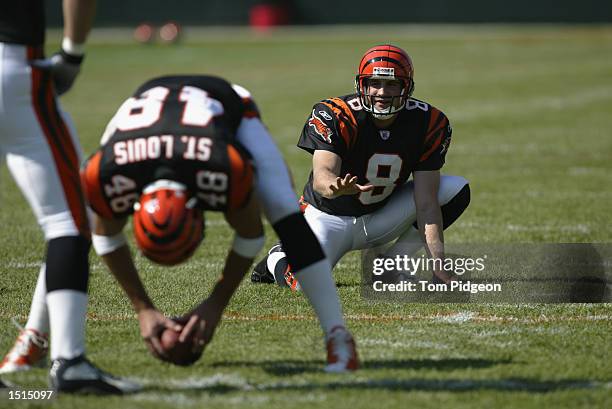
72, 48
107, 244
248, 248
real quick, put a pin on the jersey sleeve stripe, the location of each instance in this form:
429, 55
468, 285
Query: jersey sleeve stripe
347, 122
346, 112
241, 178
61, 145
343, 128
90, 179
433, 147
437, 122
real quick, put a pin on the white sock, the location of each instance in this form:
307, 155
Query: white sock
319, 287
407, 244
39, 316
67, 309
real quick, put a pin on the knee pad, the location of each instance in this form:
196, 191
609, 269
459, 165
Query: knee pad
450, 186
454, 207
299, 242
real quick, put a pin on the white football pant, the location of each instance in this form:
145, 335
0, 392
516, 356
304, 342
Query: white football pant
37, 140
340, 234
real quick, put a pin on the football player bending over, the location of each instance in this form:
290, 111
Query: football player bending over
364, 148
181, 145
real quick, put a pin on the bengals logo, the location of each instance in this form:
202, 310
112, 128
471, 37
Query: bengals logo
320, 127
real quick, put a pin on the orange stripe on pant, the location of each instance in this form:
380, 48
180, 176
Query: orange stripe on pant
60, 142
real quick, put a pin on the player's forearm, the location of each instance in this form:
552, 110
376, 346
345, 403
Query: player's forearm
429, 220
235, 269
122, 267
78, 19
326, 168
322, 184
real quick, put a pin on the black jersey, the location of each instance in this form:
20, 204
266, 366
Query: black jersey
180, 128
418, 139
23, 22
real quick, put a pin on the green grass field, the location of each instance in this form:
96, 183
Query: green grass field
531, 108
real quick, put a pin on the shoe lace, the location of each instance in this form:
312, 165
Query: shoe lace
27, 336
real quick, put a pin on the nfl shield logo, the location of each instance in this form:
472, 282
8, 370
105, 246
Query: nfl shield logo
384, 134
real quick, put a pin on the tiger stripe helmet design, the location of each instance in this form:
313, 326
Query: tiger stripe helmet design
167, 226
386, 62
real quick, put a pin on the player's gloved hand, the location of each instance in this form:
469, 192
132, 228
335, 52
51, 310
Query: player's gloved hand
64, 68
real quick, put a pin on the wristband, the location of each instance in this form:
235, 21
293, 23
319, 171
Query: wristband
248, 248
72, 48
107, 244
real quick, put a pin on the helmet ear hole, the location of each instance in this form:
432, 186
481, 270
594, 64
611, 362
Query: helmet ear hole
167, 226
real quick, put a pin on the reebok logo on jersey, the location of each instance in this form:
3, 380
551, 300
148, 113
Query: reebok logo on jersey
325, 115
320, 127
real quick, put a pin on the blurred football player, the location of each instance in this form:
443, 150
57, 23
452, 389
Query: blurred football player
181, 145
365, 146
38, 141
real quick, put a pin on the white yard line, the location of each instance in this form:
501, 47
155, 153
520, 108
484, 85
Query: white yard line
577, 228
458, 318
220, 390
450, 318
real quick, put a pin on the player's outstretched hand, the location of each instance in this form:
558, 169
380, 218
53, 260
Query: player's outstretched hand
152, 325
348, 186
63, 67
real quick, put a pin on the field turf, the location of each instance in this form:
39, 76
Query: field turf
531, 110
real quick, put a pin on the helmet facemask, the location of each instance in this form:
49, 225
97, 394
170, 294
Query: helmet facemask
396, 101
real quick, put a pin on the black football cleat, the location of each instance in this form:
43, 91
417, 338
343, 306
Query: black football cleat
261, 274
78, 375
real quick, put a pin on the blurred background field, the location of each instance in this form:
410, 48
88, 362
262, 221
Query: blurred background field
531, 111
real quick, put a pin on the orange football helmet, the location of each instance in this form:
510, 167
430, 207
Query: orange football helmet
385, 62
167, 225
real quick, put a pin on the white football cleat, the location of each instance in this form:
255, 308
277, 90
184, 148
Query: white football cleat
30, 350
341, 351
